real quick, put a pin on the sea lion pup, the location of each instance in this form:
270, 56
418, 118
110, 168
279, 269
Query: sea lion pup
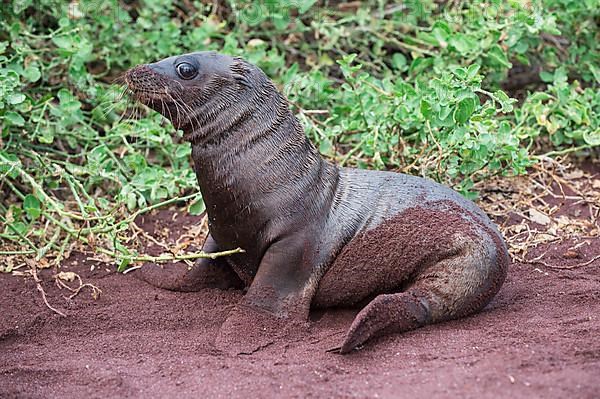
314, 234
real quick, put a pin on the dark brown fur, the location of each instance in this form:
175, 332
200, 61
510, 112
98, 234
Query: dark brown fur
315, 234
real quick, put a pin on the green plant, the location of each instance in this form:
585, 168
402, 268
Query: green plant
412, 86
448, 128
566, 113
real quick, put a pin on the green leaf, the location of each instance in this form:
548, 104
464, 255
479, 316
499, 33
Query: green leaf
595, 71
46, 137
304, 5
280, 21
592, 137
472, 71
539, 96
399, 62
464, 110
460, 73
420, 64
31, 206
32, 73
505, 101
464, 44
497, 56
440, 32
14, 118
426, 109
183, 151
15, 98
547, 77
326, 147
17, 226
197, 207
123, 263
131, 201
64, 42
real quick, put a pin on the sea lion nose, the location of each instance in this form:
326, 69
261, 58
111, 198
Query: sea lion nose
136, 75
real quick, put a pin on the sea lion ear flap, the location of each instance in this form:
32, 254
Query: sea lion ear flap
241, 71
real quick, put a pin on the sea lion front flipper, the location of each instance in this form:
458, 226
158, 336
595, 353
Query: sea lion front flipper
285, 281
277, 301
205, 273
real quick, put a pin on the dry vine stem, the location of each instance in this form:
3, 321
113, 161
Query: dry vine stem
70, 276
540, 262
38, 283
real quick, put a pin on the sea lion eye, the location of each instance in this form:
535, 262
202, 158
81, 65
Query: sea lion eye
186, 70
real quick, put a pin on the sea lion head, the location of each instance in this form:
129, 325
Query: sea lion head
190, 89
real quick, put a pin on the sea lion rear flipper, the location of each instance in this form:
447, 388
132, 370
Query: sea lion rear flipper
386, 314
454, 287
205, 273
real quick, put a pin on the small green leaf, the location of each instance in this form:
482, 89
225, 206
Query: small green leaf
305, 5
15, 98
498, 57
31, 206
131, 201
32, 73
14, 118
17, 226
539, 96
123, 265
280, 21
595, 71
325, 147
592, 137
426, 109
547, 77
420, 64
197, 207
64, 42
472, 71
399, 62
183, 151
505, 101
464, 44
464, 110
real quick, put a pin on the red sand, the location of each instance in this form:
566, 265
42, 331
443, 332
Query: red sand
538, 338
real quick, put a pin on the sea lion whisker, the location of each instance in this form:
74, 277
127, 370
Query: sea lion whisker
180, 103
164, 106
179, 107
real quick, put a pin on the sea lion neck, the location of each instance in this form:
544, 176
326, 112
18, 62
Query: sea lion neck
255, 155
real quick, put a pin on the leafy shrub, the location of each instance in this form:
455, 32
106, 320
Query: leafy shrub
413, 86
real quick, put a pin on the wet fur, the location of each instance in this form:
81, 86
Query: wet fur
316, 234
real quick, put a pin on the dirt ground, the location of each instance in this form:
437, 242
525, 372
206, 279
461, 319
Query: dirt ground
538, 338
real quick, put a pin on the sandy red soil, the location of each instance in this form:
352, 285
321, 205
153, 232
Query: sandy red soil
539, 338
